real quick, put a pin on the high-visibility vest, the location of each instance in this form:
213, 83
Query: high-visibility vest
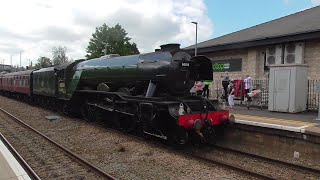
208, 82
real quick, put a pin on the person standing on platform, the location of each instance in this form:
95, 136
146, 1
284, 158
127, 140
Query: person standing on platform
207, 83
199, 88
231, 92
248, 85
225, 83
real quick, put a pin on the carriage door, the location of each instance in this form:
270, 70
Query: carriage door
61, 84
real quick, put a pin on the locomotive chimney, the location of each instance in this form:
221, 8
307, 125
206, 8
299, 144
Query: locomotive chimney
156, 50
170, 47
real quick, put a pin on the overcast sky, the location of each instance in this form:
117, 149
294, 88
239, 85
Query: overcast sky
36, 26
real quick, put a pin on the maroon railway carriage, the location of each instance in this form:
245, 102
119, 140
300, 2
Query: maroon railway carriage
17, 82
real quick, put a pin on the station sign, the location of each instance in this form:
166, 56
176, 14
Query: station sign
229, 65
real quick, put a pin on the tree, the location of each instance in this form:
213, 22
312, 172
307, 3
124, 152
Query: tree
59, 55
43, 62
114, 40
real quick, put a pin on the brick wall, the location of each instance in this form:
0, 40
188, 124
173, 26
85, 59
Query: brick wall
224, 55
312, 58
253, 60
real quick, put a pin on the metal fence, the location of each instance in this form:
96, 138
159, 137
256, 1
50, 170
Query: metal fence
312, 99
313, 96
216, 91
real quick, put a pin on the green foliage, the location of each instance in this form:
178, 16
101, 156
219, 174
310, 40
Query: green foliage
43, 62
113, 39
59, 55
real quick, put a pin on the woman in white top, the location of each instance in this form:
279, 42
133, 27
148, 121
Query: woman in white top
247, 85
231, 92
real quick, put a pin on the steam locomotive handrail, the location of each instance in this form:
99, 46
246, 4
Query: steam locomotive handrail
160, 100
157, 100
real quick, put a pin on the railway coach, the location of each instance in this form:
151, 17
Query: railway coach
17, 84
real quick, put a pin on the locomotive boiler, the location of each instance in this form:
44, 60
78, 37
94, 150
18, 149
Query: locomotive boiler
165, 72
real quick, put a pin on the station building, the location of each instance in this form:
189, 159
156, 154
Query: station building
293, 39
5, 68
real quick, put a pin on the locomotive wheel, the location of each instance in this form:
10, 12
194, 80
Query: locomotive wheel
179, 138
66, 109
211, 136
87, 112
127, 124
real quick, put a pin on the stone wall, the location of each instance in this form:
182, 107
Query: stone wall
229, 55
253, 61
312, 58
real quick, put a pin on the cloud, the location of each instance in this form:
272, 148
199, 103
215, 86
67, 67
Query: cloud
62, 34
36, 26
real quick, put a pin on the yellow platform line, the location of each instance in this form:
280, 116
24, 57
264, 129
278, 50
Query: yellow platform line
250, 117
274, 119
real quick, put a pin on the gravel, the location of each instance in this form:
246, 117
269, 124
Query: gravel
274, 170
116, 154
43, 157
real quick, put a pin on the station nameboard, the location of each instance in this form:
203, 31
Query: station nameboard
229, 65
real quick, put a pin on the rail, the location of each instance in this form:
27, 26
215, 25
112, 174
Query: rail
291, 165
74, 156
21, 161
195, 156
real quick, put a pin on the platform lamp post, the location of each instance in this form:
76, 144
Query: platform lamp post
20, 58
105, 48
195, 50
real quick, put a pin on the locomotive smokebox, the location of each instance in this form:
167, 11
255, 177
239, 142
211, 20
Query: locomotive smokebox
170, 47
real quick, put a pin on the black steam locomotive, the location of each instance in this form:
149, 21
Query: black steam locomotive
144, 93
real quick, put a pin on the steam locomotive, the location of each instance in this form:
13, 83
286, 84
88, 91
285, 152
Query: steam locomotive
143, 93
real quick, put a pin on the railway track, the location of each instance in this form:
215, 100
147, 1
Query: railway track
310, 173
47, 158
21, 161
199, 155
196, 156
275, 161
267, 167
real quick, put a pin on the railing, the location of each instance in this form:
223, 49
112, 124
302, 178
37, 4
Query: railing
217, 90
312, 98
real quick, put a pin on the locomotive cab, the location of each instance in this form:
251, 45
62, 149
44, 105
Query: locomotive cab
201, 67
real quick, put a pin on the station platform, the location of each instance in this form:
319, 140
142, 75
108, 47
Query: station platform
10, 168
300, 122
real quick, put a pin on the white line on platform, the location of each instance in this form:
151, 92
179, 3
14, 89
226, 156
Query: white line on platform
12, 162
273, 126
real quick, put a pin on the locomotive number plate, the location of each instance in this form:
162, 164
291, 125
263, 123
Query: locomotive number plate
185, 64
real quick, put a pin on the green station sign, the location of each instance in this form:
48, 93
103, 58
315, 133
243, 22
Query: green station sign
227, 65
